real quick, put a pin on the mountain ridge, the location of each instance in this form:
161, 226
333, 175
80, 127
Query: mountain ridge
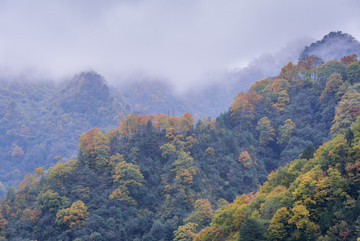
161, 177
66, 110
334, 45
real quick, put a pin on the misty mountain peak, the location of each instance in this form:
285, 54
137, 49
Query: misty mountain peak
87, 90
334, 45
90, 83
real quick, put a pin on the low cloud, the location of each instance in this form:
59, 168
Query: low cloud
180, 41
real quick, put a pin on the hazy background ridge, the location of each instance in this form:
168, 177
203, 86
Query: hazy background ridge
183, 42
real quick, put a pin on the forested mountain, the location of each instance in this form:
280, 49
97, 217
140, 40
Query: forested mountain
333, 46
40, 122
150, 96
153, 96
315, 197
161, 177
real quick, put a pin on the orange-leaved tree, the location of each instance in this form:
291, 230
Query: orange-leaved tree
94, 150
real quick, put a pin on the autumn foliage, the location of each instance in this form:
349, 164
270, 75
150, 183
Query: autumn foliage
160, 177
132, 123
74, 216
298, 199
243, 106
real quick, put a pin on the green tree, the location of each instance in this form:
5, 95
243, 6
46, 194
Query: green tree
353, 72
60, 172
308, 152
202, 213
329, 68
51, 201
285, 131
267, 133
252, 230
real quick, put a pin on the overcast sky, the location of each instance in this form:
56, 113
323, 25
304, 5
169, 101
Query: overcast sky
179, 40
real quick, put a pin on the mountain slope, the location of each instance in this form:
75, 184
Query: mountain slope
160, 177
41, 123
315, 197
333, 46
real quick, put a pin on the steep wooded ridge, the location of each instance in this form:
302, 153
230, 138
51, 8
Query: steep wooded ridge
161, 177
332, 46
40, 122
315, 197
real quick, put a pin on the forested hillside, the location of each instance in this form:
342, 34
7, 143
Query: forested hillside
315, 197
40, 121
332, 46
161, 177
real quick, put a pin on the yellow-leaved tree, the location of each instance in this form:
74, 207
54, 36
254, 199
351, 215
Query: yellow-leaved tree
347, 111
279, 227
129, 178
267, 133
94, 150
279, 88
72, 217
185, 232
332, 86
285, 131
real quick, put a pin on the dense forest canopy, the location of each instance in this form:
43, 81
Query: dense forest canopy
315, 197
162, 177
41, 122
165, 177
